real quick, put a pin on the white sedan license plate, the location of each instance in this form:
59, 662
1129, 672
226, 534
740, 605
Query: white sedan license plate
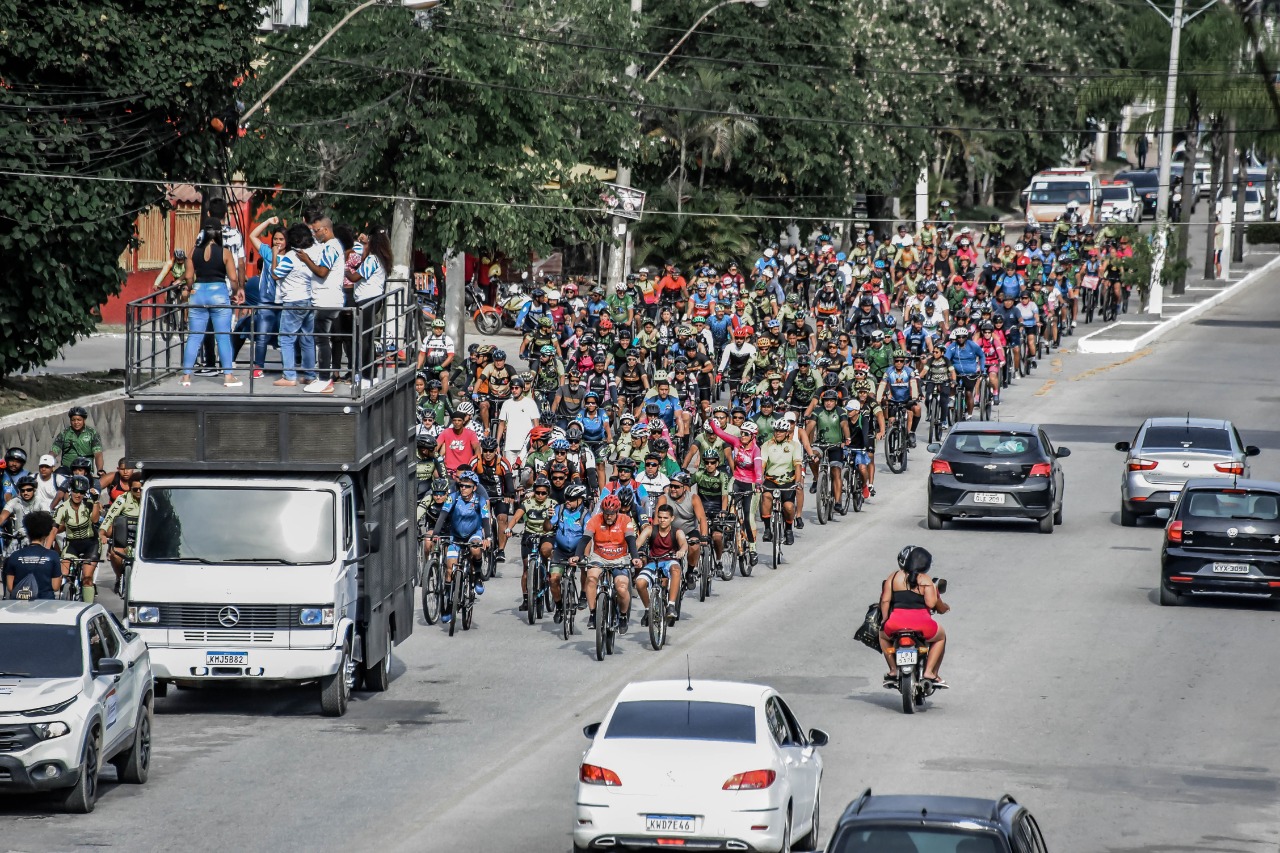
907, 657
1231, 568
988, 497
669, 823
226, 658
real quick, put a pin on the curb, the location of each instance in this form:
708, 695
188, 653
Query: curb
1086, 345
34, 430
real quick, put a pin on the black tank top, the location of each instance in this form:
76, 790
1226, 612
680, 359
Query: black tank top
906, 599
213, 269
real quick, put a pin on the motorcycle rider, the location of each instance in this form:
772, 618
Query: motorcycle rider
908, 598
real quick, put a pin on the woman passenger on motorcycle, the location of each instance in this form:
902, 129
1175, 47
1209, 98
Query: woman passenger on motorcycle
908, 598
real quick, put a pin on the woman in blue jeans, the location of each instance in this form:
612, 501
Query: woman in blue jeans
212, 267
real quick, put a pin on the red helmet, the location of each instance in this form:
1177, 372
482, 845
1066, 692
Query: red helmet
610, 504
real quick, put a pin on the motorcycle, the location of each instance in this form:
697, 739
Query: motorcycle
488, 319
911, 653
511, 301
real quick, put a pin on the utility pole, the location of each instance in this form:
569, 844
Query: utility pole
618, 246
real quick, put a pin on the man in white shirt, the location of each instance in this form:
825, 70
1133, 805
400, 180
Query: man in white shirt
519, 416
436, 352
47, 483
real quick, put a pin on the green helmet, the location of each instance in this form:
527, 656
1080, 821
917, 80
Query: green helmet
793, 299
900, 353
710, 456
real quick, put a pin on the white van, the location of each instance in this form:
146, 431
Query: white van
1052, 189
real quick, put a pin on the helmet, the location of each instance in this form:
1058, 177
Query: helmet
651, 408
426, 442
962, 332
781, 424
750, 428
627, 499
659, 445
830, 394
904, 554
78, 412
877, 335
541, 482
573, 432
640, 431
576, 492
465, 408
560, 444
82, 462
890, 321
900, 354
27, 480
711, 455
499, 355
80, 484
15, 453
610, 504
987, 326
767, 400
468, 477
440, 486
917, 317
684, 478
1073, 204
488, 443
539, 433
547, 351
658, 377
435, 385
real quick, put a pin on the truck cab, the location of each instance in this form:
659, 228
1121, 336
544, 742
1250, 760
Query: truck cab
276, 536
1051, 190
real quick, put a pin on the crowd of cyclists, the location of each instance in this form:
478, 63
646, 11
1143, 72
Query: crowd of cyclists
660, 435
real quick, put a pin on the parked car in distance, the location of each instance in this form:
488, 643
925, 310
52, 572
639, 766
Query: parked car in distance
1146, 182
75, 694
997, 470
1120, 202
1222, 536
927, 824
1254, 208
1166, 452
699, 765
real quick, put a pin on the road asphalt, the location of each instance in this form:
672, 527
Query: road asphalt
1123, 726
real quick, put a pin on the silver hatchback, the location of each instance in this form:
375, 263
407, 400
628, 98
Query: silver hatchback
1167, 452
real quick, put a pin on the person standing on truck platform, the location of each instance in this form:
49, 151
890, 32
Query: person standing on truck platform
466, 519
461, 445
328, 269
297, 319
212, 267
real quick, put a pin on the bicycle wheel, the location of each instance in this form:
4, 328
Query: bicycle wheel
468, 604
775, 522
569, 601
611, 628
823, 508
491, 563
985, 404
704, 576
432, 592
895, 452
853, 492
602, 622
657, 617
535, 590
728, 554
455, 599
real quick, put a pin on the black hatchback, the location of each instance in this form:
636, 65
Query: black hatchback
996, 470
887, 824
1222, 536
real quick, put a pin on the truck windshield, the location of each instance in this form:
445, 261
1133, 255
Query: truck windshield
1059, 192
182, 524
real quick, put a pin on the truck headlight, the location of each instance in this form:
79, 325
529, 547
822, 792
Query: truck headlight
49, 731
313, 617
142, 614
48, 710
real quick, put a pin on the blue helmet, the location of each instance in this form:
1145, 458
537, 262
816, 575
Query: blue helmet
560, 444
499, 355
890, 321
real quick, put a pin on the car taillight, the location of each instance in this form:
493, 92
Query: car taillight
1142, 464
1174, 533
1230, 467
752, 780
940, 466
594, 775
1041, 469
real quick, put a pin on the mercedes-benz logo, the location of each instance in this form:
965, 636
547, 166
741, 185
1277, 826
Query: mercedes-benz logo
1232, 532
229, 617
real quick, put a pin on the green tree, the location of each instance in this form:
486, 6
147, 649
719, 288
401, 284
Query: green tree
91, 92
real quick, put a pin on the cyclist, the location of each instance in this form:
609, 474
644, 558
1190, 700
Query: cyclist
567, 528
782, 465
1028, 314
713, 485
498, 482
589, 468
118, 526
611, 539
467, 519
78, 439
494, 387
15, 459
429, 505
899, 385
747, 461
569, 397
436, 355
828, 425
428, 466
688, 513
992, 343
866, 427
668, 546
535, 511
736, 360
16, 509
968, 363
76, 518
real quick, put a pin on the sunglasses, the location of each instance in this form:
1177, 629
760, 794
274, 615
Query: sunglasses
541, 493
27, 489
650, 464
136, 489
559, 477
466, 485
739, 416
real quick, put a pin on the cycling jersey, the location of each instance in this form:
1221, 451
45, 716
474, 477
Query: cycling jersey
992, 350
1028, 314
76, 521
497, 381
747, 461
609, 541
436, 348
568, 527
667, 406
968, 360
779, 460
592, 426
711, 487
459, 447
916, 341
465, 517
537, 515
898, 383
828, 425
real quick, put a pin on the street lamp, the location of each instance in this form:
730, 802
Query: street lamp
416, 5
618, 251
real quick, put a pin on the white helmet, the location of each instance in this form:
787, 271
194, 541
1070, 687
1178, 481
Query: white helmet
781, 424
750, 428
1073, 204
465, 408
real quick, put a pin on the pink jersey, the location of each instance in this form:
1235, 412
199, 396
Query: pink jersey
747, 467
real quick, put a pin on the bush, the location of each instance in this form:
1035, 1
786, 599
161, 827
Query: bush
1263, 232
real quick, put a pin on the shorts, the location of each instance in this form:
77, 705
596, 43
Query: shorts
787, 490
652, 570
861, 457
968, 381
455, 549
1013, 335
560, 558
836, 455
531, 542
620, 567
499, 506
83, 549
915, 619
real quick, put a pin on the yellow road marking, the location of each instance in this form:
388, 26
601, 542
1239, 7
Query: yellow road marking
1044, 389
1096, 370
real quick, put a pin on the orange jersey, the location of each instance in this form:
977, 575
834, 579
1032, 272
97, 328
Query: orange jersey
610, 540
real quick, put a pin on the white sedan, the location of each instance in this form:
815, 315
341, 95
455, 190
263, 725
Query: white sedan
711, 765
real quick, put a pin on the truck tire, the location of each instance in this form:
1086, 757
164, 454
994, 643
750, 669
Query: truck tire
335, 689
83, 796
377, 678
134, 765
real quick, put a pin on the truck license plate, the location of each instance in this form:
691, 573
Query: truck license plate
907, 657
226, 658
988, 497
1231, 568
668, 823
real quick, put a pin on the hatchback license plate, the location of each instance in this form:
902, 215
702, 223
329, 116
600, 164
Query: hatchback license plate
668, 823
226, 658
1231, 568
907, 657
988, 497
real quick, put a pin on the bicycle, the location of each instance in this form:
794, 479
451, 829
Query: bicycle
606, 612
934, 413
73, 580
430, 579
568, 599
733, 548
462, 590
852, 497
895, 444
1089, 297
825, 484
776, 525
705, 571
656, 617
539, 585
982, 398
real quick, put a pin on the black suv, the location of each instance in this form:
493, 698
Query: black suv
922, 824
1223, 536
1146, 183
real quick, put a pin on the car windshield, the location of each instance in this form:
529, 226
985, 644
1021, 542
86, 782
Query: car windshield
1059, 192
182, 524
679, 720
40, 651
1187, 438
1141, 179
1115, 193
1236, 504
993, 443
895, 839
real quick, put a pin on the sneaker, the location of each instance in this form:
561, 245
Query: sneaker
501, 558
622, 626
872, 492
582, 600
446, 618
866, 492
995, 399
479, 588
282, 382
838, 509
232, 382
119, 587
319, 386
753, 558
789, 538
768, 532
206, 371
524, 606
644, 619
813, 487
258, 373
558, 616
911, 440
671, 613
591, 621
799, 524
